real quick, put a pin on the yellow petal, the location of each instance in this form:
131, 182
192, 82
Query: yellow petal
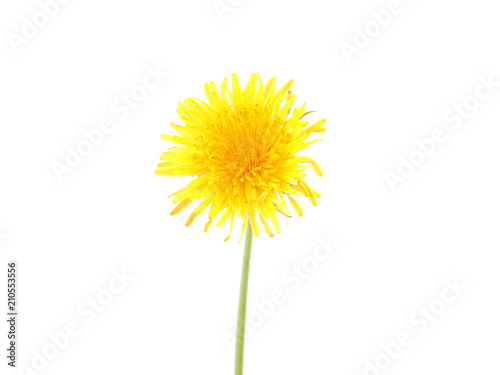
181, 206
209, 222
274, 221
266, 226
197, 212
245, 221
230, 228
296, 206
253, 222
317, 169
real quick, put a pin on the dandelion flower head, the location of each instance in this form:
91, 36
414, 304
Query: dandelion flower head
240, 146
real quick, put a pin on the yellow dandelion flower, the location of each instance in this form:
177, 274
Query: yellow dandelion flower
241, 146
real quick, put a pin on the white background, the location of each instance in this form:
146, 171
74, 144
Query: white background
111, 212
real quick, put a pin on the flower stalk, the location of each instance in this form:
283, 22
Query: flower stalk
242, 309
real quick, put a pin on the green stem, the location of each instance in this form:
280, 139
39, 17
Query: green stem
242, 310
